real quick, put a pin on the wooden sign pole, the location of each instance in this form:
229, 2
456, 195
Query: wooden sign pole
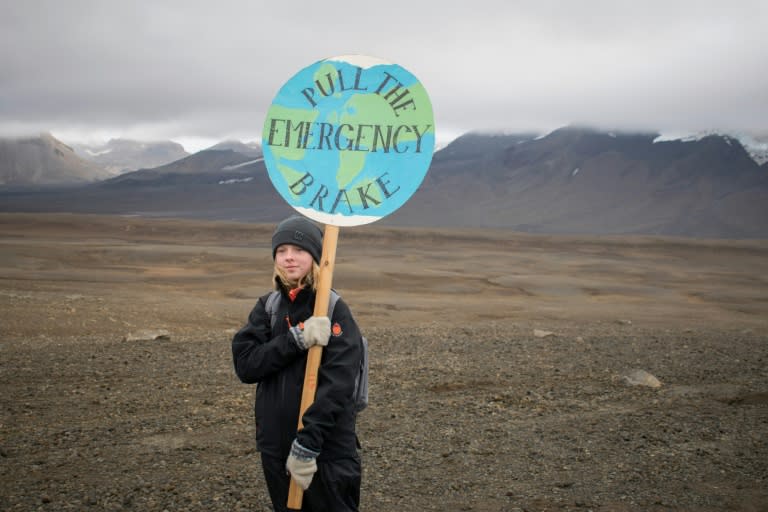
322, 297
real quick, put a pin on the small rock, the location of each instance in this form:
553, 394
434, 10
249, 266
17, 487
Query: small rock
148, 335
640, 378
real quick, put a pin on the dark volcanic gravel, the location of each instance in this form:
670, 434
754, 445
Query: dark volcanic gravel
476, 418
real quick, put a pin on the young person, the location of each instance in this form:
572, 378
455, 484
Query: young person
322, 456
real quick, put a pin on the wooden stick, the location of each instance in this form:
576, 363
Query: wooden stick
322, 297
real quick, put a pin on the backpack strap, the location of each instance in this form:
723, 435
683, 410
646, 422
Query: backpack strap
271, 307
332, 300
273, 304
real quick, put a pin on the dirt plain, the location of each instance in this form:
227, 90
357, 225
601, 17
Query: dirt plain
497, 364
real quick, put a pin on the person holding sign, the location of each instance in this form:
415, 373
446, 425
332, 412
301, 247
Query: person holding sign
271, 351
346, 141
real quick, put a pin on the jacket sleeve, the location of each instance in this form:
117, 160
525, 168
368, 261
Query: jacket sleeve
339, 367
255, 353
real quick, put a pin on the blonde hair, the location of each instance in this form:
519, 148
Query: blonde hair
309, 279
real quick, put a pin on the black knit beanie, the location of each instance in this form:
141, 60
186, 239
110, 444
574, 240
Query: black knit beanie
300, 231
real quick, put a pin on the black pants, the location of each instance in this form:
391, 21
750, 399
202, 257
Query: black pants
334, 488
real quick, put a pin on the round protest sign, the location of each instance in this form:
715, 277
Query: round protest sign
348, 140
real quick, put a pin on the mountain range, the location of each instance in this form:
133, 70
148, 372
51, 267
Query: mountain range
121, 155
578, 180
44, 160
573, 180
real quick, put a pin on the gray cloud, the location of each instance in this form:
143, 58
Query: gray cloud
181, 69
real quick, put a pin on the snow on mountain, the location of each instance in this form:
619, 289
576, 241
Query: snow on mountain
756, 146
237, 166
232, 181
122, 155
92, 153
246, 148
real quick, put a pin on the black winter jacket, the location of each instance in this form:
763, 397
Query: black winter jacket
275, 362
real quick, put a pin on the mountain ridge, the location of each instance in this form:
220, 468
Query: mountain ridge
578, 180
44, 160
123, 155
574, 180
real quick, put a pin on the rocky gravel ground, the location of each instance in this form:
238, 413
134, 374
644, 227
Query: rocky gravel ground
487, 417
500, 368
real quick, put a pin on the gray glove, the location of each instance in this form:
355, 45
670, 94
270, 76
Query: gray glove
317, 331
301, 464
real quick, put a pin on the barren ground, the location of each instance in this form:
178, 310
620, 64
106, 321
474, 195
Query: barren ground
471, 411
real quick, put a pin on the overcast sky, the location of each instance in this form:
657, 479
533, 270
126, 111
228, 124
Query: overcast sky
200, 72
